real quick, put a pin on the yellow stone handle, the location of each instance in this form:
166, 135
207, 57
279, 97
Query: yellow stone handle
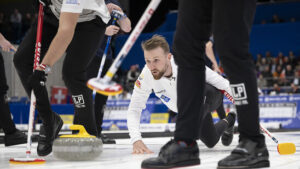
81, 129
82, 132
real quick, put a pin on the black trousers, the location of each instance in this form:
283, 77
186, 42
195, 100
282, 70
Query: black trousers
82, 49
3, 82
210, 133
230, 22
221, 111
100, 100
6, 122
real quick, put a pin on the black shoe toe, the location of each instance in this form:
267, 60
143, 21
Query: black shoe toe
15, 138
47, 136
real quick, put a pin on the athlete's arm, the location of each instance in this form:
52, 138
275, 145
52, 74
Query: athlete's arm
217, 81
138, 101
211, 56
62, 39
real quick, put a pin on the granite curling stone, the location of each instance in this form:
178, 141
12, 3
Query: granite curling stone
77, 147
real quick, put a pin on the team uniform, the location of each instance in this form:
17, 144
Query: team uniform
88, 35
230, 22
88, 9
5, 121
12, 135
165, 90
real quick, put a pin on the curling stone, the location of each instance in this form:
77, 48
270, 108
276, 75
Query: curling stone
77, 147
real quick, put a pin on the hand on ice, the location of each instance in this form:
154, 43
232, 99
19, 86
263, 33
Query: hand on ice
140, 148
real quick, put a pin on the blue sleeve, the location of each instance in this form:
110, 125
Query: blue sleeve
116, 2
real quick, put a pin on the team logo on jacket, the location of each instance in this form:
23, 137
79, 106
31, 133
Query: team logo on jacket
137, 83
165, 98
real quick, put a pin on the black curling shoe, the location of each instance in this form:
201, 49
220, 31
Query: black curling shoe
15, 138
174, 154
246, 155
47, 136
227, 136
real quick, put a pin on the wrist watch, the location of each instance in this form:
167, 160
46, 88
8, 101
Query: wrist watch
46, 68
123, 16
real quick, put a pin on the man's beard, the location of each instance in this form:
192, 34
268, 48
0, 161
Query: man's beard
158, 76
160, 73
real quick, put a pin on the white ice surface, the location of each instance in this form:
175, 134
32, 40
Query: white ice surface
119, 156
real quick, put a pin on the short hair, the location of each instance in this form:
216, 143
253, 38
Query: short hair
156, 41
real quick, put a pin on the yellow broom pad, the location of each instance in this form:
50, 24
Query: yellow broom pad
286, 148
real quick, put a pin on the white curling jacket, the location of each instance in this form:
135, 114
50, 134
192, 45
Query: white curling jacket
165, 89
88, 9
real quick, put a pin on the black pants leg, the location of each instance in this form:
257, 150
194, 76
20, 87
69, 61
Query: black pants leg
6, 122
86, 40
3, 82
221, 111
192, 32
100, 100
210, 133
23, 61
232, 23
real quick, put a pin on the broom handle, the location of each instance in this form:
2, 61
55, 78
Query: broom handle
131, 39
262, 128
104, 56
36, 64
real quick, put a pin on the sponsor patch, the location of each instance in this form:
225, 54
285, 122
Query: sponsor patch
138, 83
165, 98
78, 101
239, 93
